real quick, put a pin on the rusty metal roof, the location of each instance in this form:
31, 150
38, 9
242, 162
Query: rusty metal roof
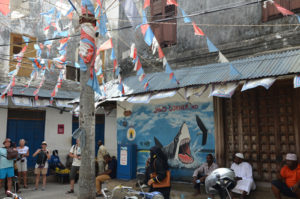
270, 65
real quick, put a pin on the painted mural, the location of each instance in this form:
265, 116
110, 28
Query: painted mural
184, 131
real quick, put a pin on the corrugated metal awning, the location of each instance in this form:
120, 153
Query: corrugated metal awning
270, 65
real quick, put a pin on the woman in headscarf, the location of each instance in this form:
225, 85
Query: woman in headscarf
159, 166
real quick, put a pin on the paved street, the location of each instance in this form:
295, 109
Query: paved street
179, 191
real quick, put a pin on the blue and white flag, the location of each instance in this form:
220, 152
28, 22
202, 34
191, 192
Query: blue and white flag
211, 47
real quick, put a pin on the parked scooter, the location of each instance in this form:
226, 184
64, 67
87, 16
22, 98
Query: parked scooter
220, 181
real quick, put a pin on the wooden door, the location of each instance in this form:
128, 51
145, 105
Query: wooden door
262, 124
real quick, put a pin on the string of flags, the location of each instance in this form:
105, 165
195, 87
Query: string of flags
19, 57
282, 10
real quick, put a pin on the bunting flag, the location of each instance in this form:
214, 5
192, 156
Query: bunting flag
222, 58
137, 65
105, 46
160, 53
266, 83
283, 11
197, 30
226, 90
58, 83
186, 19
234, 71
144, 28
112, 55
298, 17
19, 57
149, 36
131, 12
26, 40
87, 7
297, 81
4, 7
102, 25
83, 66
133, 51
36, 92
146, 3
94, 83
211, 47
172, 2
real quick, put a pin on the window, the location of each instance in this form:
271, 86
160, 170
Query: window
166, 31
16, 47
72, 73
270, 12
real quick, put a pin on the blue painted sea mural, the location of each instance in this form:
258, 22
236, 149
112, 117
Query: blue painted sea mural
184, 131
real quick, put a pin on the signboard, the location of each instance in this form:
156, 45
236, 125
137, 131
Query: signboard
60, 129
123, 158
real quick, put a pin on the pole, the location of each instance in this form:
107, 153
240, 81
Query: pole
87, 110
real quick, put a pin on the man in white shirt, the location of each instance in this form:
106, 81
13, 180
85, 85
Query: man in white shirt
75, 153
203, 171
100, 157
244, 177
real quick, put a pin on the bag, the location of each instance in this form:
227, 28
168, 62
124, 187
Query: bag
11, 154
166, 181
41, 159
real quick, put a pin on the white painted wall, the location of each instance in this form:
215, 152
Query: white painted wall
110, 133
3, 124
61, 142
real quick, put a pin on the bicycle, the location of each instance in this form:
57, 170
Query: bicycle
13, 195
131, 193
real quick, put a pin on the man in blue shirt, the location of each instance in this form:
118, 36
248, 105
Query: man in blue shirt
6, 166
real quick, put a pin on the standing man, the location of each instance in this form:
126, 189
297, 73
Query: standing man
110, 173
244, 177
75, 153
100, 157
41, 166
288, 182
6, 166
203, 171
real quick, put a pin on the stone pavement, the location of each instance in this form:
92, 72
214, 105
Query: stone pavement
57, 191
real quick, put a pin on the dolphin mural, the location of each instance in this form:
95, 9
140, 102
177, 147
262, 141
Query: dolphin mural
179, 148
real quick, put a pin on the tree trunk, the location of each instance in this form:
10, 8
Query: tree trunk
87, 120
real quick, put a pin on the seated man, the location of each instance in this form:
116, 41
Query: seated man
110, 173
203, 171
243, 173
288, 182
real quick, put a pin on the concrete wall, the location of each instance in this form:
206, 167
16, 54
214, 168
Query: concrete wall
61, 142
234, 41
3, 124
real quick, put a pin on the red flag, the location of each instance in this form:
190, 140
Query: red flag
283, 11
172, 2
197, 30
146, 3
171, 75
106, 45
160, 53
4, 7
47, 28
115, 65
99, 3
70, 16
10, 92
146, 85
137, 65
144, 28
36, 97
13, 82
53, 93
